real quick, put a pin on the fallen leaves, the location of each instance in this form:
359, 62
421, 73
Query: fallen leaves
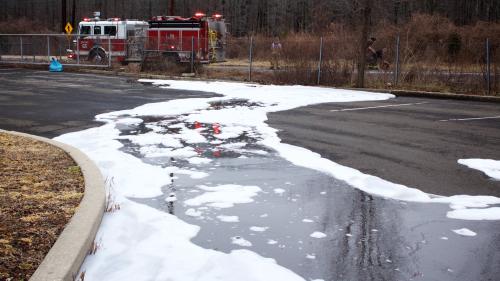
40, 189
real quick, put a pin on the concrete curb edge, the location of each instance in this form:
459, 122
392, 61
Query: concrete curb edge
66, 256
435, 95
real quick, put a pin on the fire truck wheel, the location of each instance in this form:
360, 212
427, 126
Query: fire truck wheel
97, 56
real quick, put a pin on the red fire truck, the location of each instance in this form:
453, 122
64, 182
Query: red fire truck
199, 37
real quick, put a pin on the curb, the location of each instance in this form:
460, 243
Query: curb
66, 256
434, 95
403, 93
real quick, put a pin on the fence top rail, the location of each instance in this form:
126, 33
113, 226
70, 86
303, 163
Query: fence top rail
47, 34
79, 35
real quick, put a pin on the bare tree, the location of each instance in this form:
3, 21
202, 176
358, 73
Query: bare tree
365, 13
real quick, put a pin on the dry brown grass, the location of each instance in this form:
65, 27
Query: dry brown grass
23, 25
435, 55
40, 188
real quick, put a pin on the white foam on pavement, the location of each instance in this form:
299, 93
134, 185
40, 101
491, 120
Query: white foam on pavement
318, 234
193, 212
199, 160
241, 241
492, 213
142, 243
259, 228
228, 218
311, 256
278, 98
224, 196
464, 232
488, 166
279, 191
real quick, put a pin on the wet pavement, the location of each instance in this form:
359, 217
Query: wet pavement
50, 104
365, 237
356, 236
411, 141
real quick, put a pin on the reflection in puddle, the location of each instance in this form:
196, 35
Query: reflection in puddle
317, 226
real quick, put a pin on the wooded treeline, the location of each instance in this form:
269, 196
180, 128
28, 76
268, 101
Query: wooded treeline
255, 16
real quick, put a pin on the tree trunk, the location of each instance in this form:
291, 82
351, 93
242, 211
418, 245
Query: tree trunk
63, 15
366, 11
171, 7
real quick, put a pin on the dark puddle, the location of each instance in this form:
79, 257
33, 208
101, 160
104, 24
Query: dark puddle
368, 238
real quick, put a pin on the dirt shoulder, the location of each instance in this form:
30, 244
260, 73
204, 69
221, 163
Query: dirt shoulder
40, 189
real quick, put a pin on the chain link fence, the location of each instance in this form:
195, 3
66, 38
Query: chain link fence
100, 51
394, 62
41, 48
471, 67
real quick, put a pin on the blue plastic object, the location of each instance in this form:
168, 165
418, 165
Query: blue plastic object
55, 66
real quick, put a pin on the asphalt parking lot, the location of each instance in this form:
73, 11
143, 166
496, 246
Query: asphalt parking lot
411, 141
50, 104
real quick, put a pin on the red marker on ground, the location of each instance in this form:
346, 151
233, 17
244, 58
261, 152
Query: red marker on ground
216, 128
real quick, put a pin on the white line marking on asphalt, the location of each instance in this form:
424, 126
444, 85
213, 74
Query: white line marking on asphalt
469, 119
373, 107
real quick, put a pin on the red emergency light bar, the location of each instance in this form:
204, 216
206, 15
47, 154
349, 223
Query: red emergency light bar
217, 16
86, 19
199, 15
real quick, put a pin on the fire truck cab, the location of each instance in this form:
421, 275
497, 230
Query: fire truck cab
114, 38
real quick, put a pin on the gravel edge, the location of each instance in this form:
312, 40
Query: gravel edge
66, 256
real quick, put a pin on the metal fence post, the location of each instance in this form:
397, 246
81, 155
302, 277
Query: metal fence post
488, 65
250, 60
78, 50
60, 46
109, 51
192, 54
396, 71
21, 47
48, 48
320, 59
32, 48
158, 38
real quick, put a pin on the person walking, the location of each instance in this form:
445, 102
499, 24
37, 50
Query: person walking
275, 53
371, 54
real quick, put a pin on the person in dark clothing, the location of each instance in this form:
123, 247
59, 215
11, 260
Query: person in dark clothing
375, 58
371, 54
